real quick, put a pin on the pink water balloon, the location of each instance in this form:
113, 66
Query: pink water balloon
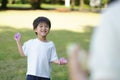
63, 60
17, 35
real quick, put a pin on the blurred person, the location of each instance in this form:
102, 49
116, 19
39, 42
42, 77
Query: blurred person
40, 51
95, 3
108, 2
104, 52
111, 1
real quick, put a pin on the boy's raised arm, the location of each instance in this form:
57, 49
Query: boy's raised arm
17, 37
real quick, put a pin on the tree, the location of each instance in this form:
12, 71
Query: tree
23, 1
72, 4
36, 4
81, 4
4, 4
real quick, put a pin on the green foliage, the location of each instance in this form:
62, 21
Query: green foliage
105, 1
85, 1
53, 2
13, 67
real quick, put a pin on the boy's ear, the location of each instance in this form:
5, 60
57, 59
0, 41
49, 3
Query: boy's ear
35, 30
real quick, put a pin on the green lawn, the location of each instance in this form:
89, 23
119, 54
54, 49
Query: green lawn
13, 66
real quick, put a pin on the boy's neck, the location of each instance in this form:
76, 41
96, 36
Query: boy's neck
42, 39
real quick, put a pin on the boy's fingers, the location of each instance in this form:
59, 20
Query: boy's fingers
17, 36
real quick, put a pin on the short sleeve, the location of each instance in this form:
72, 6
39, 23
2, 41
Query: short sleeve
53, 54
26, 47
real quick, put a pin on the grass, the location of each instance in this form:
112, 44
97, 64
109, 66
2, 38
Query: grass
19, 5
13, 67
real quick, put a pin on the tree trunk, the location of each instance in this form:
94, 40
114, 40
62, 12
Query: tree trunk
105, 5
36, 4
72, 4
4, 4
54, 1
81, 4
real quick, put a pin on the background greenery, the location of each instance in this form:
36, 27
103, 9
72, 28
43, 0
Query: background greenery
36, 4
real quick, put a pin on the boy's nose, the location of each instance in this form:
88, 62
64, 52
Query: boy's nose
43, 27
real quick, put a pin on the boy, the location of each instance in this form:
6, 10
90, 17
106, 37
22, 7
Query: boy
40, 52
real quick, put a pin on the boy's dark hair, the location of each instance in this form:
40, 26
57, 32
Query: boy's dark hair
41, 19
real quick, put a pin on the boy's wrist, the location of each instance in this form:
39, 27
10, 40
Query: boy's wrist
18, 42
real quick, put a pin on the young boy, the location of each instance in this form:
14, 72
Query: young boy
40, 52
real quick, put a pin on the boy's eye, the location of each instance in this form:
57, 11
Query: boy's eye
47, 26
44, 26
40, 26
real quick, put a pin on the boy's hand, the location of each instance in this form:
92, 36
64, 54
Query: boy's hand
17, 36
63, 61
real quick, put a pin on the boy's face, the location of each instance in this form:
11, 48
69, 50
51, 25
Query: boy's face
42, 29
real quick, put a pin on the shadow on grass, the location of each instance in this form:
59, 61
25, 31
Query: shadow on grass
14, 67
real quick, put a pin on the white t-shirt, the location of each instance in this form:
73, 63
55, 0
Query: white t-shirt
39, 55
105, 47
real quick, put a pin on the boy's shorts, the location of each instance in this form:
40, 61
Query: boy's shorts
31, 77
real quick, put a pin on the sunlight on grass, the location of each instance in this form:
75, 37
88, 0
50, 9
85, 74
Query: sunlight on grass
52, 6
19, 5
45, 6
73, 21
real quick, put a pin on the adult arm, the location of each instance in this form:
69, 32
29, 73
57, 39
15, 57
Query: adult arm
75, 68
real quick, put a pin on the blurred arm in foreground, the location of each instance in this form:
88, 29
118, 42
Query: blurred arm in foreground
77, 62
